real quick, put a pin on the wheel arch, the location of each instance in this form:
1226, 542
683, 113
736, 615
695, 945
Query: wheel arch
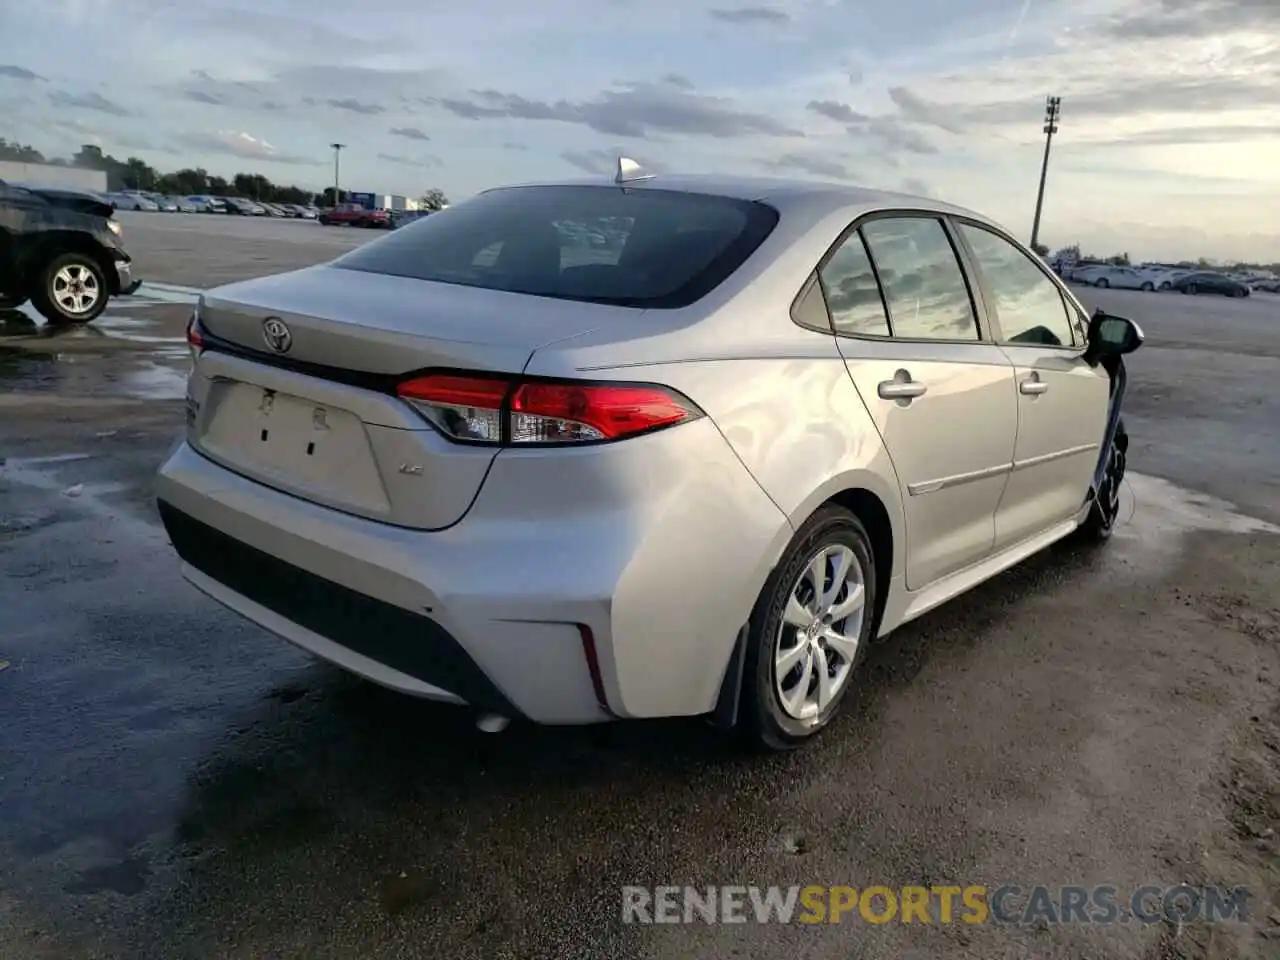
874, 516
57, 242
867, 498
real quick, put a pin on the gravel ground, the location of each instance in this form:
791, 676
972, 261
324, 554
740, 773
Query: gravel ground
179, 784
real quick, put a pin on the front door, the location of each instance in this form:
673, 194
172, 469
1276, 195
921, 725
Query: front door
1062, 401
941, 398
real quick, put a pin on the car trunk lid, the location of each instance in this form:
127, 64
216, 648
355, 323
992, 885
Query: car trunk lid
319, 419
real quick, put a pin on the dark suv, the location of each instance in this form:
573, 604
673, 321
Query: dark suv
61, 250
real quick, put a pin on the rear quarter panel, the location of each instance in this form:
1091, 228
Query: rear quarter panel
797, 424
797, 430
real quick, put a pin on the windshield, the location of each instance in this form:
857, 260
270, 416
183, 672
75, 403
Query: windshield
642, 248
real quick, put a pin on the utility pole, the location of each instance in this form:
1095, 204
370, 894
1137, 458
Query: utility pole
337, 150
1052, 110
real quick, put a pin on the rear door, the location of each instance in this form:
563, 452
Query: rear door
940, 395
1062, 402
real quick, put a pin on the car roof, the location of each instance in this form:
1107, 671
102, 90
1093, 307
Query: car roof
780, 192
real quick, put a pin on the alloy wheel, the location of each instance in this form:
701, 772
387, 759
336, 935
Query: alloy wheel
817, 639
1112, 479
75, 289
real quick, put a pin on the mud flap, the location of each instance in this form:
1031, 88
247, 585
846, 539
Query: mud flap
725, 714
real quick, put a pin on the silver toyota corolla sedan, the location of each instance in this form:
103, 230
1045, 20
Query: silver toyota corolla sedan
655, 446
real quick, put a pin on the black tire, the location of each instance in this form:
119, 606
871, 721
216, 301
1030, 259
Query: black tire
763, 721
1191, 288
1101, 521
1148, 287
45, 296
1102, 283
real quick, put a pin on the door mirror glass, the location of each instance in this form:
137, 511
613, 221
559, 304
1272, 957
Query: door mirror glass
1112, 336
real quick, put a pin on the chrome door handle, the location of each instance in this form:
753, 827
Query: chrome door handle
901, 389
1033, 385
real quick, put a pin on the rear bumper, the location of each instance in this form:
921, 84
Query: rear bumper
503, 610
406, 643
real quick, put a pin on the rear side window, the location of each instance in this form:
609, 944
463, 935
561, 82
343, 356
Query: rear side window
853, 296
647, 248
922, 280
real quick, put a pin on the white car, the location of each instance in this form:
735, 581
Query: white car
1075, 272
1122, 278
133, 201
1165, 279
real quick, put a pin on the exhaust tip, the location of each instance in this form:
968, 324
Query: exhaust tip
491, 723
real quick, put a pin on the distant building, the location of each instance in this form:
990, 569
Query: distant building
381, 201
52, 175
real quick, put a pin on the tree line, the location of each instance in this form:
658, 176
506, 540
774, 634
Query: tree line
134, 173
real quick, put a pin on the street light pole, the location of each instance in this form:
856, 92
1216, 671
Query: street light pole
1052, 110
337, 150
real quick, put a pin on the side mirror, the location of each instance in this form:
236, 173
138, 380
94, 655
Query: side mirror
1111, 336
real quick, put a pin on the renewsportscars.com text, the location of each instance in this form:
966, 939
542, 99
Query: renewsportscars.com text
973, 904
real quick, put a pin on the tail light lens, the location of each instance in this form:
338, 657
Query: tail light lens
498, 410
195, 339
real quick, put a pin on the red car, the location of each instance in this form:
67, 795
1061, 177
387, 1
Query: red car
355, 215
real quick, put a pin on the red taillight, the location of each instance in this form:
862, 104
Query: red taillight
494, 410
195, 340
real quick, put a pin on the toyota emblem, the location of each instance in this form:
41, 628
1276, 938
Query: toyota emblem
277, 335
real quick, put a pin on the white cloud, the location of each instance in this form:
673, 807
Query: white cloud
1167, 133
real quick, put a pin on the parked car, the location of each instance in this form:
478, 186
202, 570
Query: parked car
1165, 279
133, 201
1076, 271
1122, 278
354, 215
1268, 285
272, 210
187, 205
62, 250
243, 207
207, 204
1209, 282
163, 204
476, 465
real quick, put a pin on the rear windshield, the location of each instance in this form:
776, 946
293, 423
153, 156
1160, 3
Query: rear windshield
638, 248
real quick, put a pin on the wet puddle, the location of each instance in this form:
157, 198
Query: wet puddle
97, 375
165, 293
154, 381
119, 355
137, 349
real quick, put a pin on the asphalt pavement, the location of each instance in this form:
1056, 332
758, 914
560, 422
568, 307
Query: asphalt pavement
176, 783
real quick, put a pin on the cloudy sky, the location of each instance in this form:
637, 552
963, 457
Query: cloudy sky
1169, 144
